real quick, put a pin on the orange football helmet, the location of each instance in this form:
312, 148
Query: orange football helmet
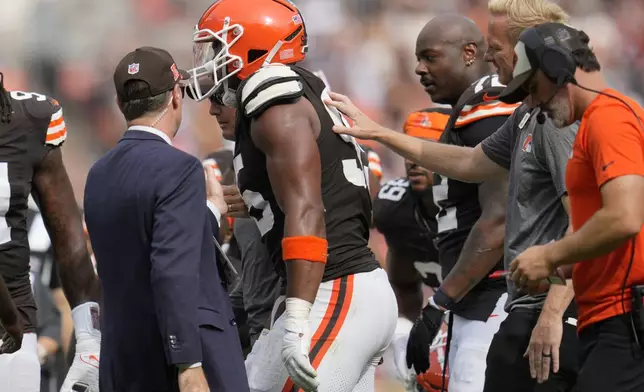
432, 379
238, 37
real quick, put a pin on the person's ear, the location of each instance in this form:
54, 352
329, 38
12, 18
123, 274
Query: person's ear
177, 97
469, 53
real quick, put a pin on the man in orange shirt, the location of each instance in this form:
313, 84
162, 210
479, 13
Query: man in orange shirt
605, 181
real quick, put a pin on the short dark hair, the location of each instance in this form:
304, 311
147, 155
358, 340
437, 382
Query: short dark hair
585, 58
138, 108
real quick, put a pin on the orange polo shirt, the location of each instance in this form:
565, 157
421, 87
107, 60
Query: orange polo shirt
609, 144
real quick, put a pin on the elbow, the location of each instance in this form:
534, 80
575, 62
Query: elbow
308, 219
468, 169
630, 225
492, 230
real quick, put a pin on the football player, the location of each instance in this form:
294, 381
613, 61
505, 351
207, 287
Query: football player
404, 212
450, 51
307, 189
32, 129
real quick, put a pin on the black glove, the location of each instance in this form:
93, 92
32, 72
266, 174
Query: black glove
422, 334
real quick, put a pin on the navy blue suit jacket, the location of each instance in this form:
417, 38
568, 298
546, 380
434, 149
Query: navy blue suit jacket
163, 301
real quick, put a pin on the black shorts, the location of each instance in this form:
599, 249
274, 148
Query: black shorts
508, 371
609, 357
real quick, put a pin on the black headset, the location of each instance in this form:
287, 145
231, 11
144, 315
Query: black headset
555, 62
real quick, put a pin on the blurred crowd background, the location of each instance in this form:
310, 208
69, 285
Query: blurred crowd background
68, 49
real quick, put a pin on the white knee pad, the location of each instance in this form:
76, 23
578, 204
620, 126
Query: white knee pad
20, 371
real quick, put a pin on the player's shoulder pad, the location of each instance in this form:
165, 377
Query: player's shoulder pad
42, 107
267, 86
481, 101
427, 123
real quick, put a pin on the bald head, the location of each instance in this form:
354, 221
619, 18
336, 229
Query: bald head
451, 29
450, 51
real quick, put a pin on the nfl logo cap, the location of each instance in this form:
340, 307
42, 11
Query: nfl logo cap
154, 66
532, 53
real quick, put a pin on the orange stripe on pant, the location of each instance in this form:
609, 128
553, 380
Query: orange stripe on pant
327, 331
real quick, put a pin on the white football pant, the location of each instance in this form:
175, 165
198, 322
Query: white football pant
470, 343
20, 371
352, 320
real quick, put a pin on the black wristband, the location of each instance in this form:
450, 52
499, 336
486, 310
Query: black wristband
443, 300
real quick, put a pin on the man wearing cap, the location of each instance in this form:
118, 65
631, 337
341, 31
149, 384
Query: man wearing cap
167, 322
535, 154
605, 178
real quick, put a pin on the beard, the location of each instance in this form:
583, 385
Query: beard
559, 110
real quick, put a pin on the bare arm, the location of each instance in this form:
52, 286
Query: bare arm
62, 217
285, 134
619, 219
484, 245
66, 322
460, 163
559, 296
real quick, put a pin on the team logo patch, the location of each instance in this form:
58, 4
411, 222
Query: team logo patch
175, 72
426, 122
527, 144
286, 54
563, 35
133, 68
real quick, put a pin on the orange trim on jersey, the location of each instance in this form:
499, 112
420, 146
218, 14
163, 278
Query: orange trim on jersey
426, 125
56, 122
376, 172
373, 158
53, 136
329, 328
305, 247
484, 111
215, 167
57, 130
375, 164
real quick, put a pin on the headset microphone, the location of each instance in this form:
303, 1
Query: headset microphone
541, 118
